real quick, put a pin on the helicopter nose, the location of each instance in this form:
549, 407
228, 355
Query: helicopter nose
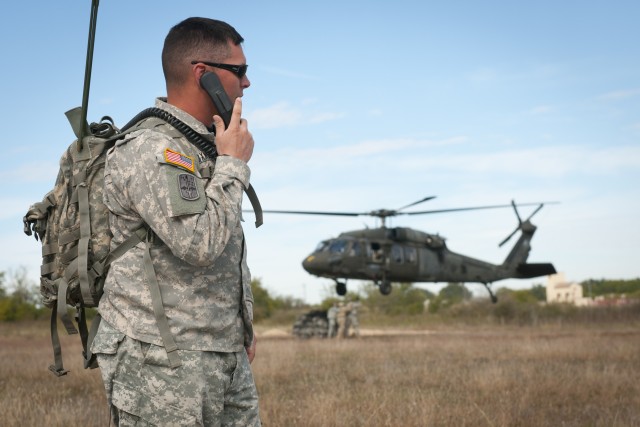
310, 264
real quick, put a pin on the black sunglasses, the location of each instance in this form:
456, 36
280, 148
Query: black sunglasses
238, 70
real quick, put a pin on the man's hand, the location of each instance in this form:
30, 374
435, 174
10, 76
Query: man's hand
251, 350
236, 140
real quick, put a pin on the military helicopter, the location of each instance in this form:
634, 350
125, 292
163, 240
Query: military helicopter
400, 254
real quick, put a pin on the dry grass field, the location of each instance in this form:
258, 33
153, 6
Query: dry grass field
452, 376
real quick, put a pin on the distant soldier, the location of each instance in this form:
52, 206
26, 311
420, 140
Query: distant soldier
354, 325
342, 321
332, 316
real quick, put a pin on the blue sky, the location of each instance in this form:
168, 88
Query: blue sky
361, 105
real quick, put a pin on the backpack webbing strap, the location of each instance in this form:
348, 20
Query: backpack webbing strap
57, 367
158, 308
83, 244
63, 285
59, 309
98, 268
89, 358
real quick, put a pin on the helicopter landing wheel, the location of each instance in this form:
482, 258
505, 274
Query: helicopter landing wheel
341, 288
385, 287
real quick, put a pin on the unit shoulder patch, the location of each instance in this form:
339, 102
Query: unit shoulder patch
187, 186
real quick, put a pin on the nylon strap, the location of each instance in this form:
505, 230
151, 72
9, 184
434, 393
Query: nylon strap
138, 236
57, 367
47, 268
62, 307
69, 236
49, 249
89, 359
69, 255
158, 308
83, 245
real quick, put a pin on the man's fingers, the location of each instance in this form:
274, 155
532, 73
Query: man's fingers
219, 124
237, 111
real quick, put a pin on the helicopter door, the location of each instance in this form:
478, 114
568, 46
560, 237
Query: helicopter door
375, 253
353, 257
403, 264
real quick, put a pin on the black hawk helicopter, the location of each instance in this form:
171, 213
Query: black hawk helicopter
399, 254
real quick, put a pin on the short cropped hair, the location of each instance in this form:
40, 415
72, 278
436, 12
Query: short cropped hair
195, 39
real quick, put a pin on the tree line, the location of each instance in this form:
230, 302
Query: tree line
20, 299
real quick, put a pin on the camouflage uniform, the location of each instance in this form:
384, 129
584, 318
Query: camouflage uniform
155, 177
332, 315
343, 327
354, 324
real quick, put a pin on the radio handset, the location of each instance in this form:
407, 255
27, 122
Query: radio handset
211, 83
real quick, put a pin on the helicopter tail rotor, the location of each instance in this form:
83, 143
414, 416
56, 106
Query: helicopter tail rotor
520, 222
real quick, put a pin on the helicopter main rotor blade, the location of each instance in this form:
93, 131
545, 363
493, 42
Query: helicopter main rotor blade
416, 203
313, 213
384, 213
473, 208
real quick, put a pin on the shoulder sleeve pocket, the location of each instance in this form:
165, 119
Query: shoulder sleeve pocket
186, 192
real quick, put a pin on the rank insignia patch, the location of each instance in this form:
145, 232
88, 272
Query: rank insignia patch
179, 159
187, 186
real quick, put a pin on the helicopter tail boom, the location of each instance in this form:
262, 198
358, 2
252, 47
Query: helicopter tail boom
528, 271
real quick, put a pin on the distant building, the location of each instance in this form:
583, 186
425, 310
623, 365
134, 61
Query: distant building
559, 290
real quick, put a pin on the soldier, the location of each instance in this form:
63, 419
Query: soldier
354, 325
179, 352
332, 316
343, 327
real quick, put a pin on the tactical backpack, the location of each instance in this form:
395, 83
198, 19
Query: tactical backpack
72, 223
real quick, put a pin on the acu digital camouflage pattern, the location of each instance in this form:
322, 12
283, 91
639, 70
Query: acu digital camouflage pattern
57, 223
209, 388
198, 252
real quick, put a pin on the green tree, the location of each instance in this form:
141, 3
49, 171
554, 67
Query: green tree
23, 302
599, 287
539, 292
455, 292
451, 294
3, 291
263, 304
403, 299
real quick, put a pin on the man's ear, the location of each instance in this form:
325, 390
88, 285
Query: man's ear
197, 71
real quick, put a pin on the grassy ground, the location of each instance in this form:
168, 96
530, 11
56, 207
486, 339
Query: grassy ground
553, 375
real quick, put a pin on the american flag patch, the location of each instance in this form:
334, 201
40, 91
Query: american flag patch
179, 159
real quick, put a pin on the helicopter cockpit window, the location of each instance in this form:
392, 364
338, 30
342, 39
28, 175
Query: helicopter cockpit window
396, 254
338, 246
322, 246
355, 250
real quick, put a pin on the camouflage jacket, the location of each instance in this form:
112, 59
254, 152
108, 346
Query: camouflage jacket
193, 206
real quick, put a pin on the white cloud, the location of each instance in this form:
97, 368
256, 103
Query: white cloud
453, 157
620, 94
283, 114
